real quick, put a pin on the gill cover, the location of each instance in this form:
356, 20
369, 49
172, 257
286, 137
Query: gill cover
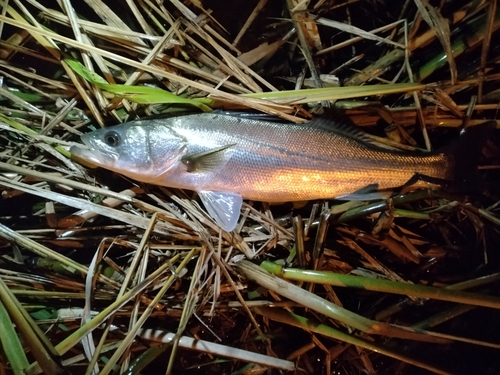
142, 150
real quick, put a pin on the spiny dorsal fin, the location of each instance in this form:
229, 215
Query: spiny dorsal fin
334, 120
251, 115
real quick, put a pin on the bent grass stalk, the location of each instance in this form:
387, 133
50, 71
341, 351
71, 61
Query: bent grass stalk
378, 285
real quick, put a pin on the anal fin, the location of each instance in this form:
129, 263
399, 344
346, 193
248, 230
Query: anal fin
368, 193
421, 180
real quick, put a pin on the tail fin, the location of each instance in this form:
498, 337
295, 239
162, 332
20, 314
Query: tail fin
464, 156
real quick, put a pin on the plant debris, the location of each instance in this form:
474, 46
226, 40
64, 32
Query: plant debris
100, 274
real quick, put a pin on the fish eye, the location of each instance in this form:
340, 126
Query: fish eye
112, 138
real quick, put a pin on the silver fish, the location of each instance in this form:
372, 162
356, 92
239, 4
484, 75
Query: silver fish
227, 157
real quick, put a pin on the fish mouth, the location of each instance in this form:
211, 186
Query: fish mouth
90, 157
84, 156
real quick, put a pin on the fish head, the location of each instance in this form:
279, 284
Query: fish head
142, 150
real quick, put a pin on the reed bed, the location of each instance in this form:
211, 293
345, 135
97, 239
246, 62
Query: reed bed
100, 274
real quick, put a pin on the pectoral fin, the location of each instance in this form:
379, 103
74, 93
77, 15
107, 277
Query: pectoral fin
206, 160
224, 207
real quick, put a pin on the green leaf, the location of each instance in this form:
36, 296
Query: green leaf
11, 343
137, 94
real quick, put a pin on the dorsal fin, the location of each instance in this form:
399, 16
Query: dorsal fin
251, 115
334, 120
331, 120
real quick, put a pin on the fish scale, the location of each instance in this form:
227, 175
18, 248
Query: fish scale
227, 157
289, 162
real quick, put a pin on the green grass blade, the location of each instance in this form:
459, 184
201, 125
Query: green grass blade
11, 343
137, 94
327, 308
378, 285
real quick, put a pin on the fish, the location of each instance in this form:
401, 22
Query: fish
227, 157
